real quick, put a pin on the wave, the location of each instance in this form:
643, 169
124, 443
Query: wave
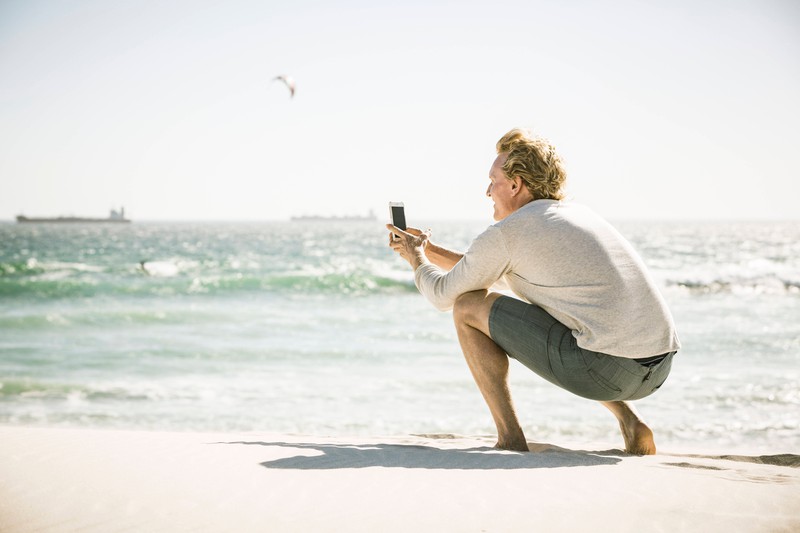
39, 390
32, 267
32, 279
736, 285
20, 269
348, 283
44, 284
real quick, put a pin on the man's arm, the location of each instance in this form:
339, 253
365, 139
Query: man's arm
442, 257
481, 267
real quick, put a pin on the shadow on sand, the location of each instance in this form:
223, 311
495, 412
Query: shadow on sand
334, 456
784, 459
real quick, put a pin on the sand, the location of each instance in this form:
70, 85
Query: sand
61, 480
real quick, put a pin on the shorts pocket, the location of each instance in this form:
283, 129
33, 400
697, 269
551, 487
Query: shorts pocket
605, 377
603, 382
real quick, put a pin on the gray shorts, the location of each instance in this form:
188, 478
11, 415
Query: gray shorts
540, 342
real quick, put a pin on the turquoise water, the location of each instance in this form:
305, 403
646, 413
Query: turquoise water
318, 328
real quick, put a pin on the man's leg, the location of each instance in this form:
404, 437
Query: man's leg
638, 435
488, 364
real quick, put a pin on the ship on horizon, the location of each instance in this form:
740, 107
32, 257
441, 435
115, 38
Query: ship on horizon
346, 218
114, 216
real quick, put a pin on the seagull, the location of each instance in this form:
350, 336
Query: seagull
288, 80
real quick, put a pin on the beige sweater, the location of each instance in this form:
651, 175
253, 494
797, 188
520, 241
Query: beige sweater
566, 259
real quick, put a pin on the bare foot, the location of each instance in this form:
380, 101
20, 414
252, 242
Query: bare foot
514, 446
638, 438
638, 435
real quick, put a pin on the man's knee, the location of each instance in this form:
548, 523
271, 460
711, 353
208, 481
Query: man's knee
470, 307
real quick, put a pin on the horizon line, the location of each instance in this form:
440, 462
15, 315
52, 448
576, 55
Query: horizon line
325, 218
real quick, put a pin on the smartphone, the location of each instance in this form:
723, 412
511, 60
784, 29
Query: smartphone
397, 212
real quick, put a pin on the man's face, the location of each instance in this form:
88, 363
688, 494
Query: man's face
500, 188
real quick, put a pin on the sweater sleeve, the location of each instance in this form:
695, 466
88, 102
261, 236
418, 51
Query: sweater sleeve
481, 267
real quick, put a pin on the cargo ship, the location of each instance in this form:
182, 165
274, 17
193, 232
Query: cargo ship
114, 216
347, 218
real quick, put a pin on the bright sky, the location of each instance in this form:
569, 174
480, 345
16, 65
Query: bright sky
665, 110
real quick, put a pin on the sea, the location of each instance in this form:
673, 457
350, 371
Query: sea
316, 328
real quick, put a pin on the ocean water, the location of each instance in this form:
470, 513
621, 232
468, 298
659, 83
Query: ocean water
314, 328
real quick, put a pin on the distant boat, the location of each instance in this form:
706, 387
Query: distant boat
347, 218
114, 216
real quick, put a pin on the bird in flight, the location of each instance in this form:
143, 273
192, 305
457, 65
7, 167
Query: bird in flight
288, 80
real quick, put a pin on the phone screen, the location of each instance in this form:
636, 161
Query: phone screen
399, 216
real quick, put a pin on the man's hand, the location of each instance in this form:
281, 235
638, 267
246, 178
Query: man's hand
410, 244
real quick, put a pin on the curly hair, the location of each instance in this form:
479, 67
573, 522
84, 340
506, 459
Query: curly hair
535, 160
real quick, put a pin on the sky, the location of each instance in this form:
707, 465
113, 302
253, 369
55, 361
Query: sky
662, 110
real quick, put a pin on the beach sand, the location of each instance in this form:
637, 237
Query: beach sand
60, 480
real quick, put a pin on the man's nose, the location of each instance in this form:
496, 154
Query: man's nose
489, 191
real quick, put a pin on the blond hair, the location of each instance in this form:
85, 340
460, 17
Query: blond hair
535, 160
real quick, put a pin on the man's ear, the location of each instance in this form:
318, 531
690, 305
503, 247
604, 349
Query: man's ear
516, 183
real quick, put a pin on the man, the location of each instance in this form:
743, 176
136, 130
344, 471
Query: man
587, 317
